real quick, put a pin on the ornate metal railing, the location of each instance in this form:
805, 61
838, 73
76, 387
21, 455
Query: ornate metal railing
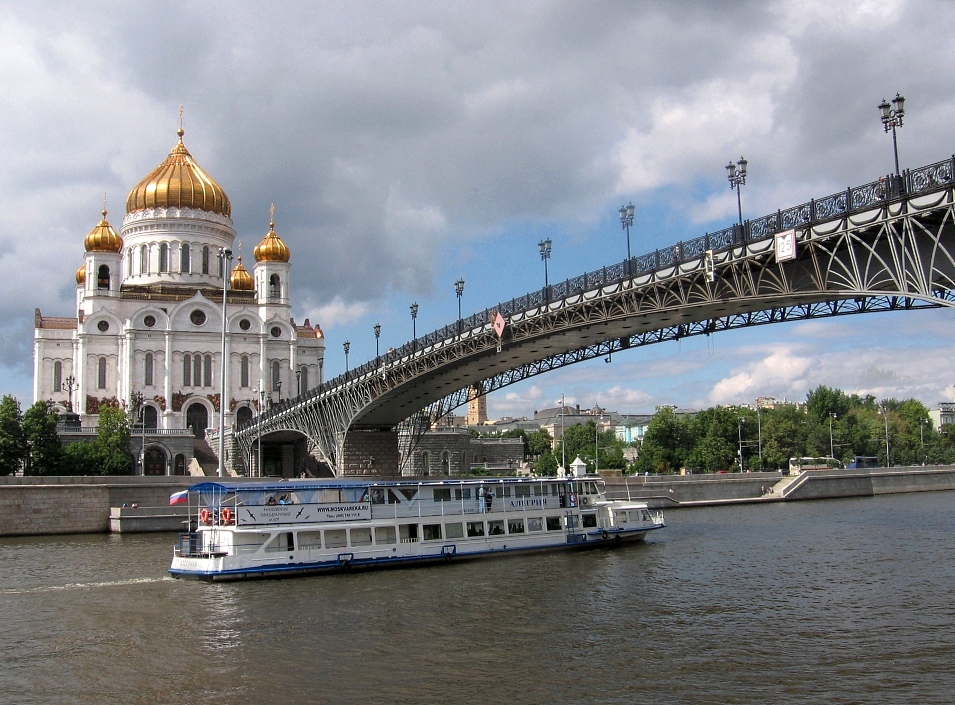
912, 182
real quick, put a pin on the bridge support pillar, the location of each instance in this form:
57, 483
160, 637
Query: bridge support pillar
370, 453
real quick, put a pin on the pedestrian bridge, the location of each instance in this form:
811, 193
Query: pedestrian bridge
887, 245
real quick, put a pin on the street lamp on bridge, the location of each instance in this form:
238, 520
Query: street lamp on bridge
347, 347
891, 118
137, 400
544, 246
626, 221
736, 173
414, 326
70, 383
377, 337
459, 290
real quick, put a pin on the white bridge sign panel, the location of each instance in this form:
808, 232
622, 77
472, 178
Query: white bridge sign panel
301, 513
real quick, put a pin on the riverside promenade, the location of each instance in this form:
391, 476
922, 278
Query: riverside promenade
35, 506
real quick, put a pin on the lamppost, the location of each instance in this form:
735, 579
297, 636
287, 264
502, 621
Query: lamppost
922, 438
563, 445
298, 382
626, 221
377, 337
260, 394
278, 390
225, 258
137, 400
885, 417
832, 447
70, 383
414, 326
459, 290
597, 445
739, 428
891, 118
736, 173
545, 246
759, 435
347, 347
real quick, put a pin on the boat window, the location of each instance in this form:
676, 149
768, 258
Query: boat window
589, 520
329, 497
464, 493
377, 496
408, 533
280, 543
535, 524
409, 492
454, 531
442, 494
335, 538
503, 491
475, 528
555, 490
591, 488
620, 517
310, 539
385, 535
572, 521
553, 524
540, 490
495, 528
645, 515
515, 526
432, 532
522, 491
361, 537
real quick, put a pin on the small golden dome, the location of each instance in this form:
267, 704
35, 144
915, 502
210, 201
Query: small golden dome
241, 280
103, 238
81, 275
179, 183
272, 249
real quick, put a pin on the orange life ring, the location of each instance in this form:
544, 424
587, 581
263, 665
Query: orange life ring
204, 516
226, 515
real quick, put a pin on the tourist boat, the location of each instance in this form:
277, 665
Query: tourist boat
257, 529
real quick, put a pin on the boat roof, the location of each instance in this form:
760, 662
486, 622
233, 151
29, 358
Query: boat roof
283, 485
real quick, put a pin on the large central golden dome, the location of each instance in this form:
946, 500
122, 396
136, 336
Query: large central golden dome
179, 183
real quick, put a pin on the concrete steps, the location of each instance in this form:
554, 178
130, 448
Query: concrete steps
206, 457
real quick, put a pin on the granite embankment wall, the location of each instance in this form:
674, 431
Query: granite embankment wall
32, 506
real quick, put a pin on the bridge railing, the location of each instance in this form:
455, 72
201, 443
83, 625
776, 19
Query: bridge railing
912, 182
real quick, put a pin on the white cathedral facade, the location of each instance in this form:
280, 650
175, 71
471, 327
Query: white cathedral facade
148, 323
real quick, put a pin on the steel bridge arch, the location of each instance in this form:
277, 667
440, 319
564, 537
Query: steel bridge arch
886, 246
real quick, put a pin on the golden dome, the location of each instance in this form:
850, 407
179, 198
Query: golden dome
103, 238
272, 249
81, 275
179, 183
241, 280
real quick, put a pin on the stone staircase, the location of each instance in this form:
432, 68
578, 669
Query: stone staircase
206, 458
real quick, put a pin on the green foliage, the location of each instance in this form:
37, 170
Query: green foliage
113, 439
546, 465
539, 443
45, 451
13, 443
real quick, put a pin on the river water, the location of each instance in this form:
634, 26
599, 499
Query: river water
838, 601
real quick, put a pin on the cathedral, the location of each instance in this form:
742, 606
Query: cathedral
148, 329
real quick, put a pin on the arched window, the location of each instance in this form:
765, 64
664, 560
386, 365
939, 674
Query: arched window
207, 371
101, 373
187, 370
426, 463
129, 262
150, 417
205, 259
57, 376
276, 378
143, 259
243, 415
303, 379
197, 370
148, 370
102, 277
446, 462
164, 257
184, 262
244, 371
275, 287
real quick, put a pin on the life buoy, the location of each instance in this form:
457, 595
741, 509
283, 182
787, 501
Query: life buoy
226, 515
585, 501
205, 516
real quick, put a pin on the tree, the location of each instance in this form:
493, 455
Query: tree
113, 439
539, 443
664, 443
13, 443
45, 448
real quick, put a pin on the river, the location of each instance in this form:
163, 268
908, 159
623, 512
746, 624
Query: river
837, 601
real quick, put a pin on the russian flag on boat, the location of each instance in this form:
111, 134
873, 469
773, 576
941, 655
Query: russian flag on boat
179, 497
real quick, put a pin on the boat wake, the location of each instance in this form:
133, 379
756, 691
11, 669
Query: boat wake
81, 586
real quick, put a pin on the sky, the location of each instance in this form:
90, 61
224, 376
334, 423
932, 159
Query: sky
406, 145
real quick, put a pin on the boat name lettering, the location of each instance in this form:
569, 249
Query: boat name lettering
542, 502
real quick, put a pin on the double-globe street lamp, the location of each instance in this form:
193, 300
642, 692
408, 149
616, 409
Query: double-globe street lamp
347, 346
225, 259
459, 290
414, 326
137, 400
260, 395
891, 118
626, 221
736, 173
377, 330
545, 247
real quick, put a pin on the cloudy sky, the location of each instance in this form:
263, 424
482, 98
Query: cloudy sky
407, 144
